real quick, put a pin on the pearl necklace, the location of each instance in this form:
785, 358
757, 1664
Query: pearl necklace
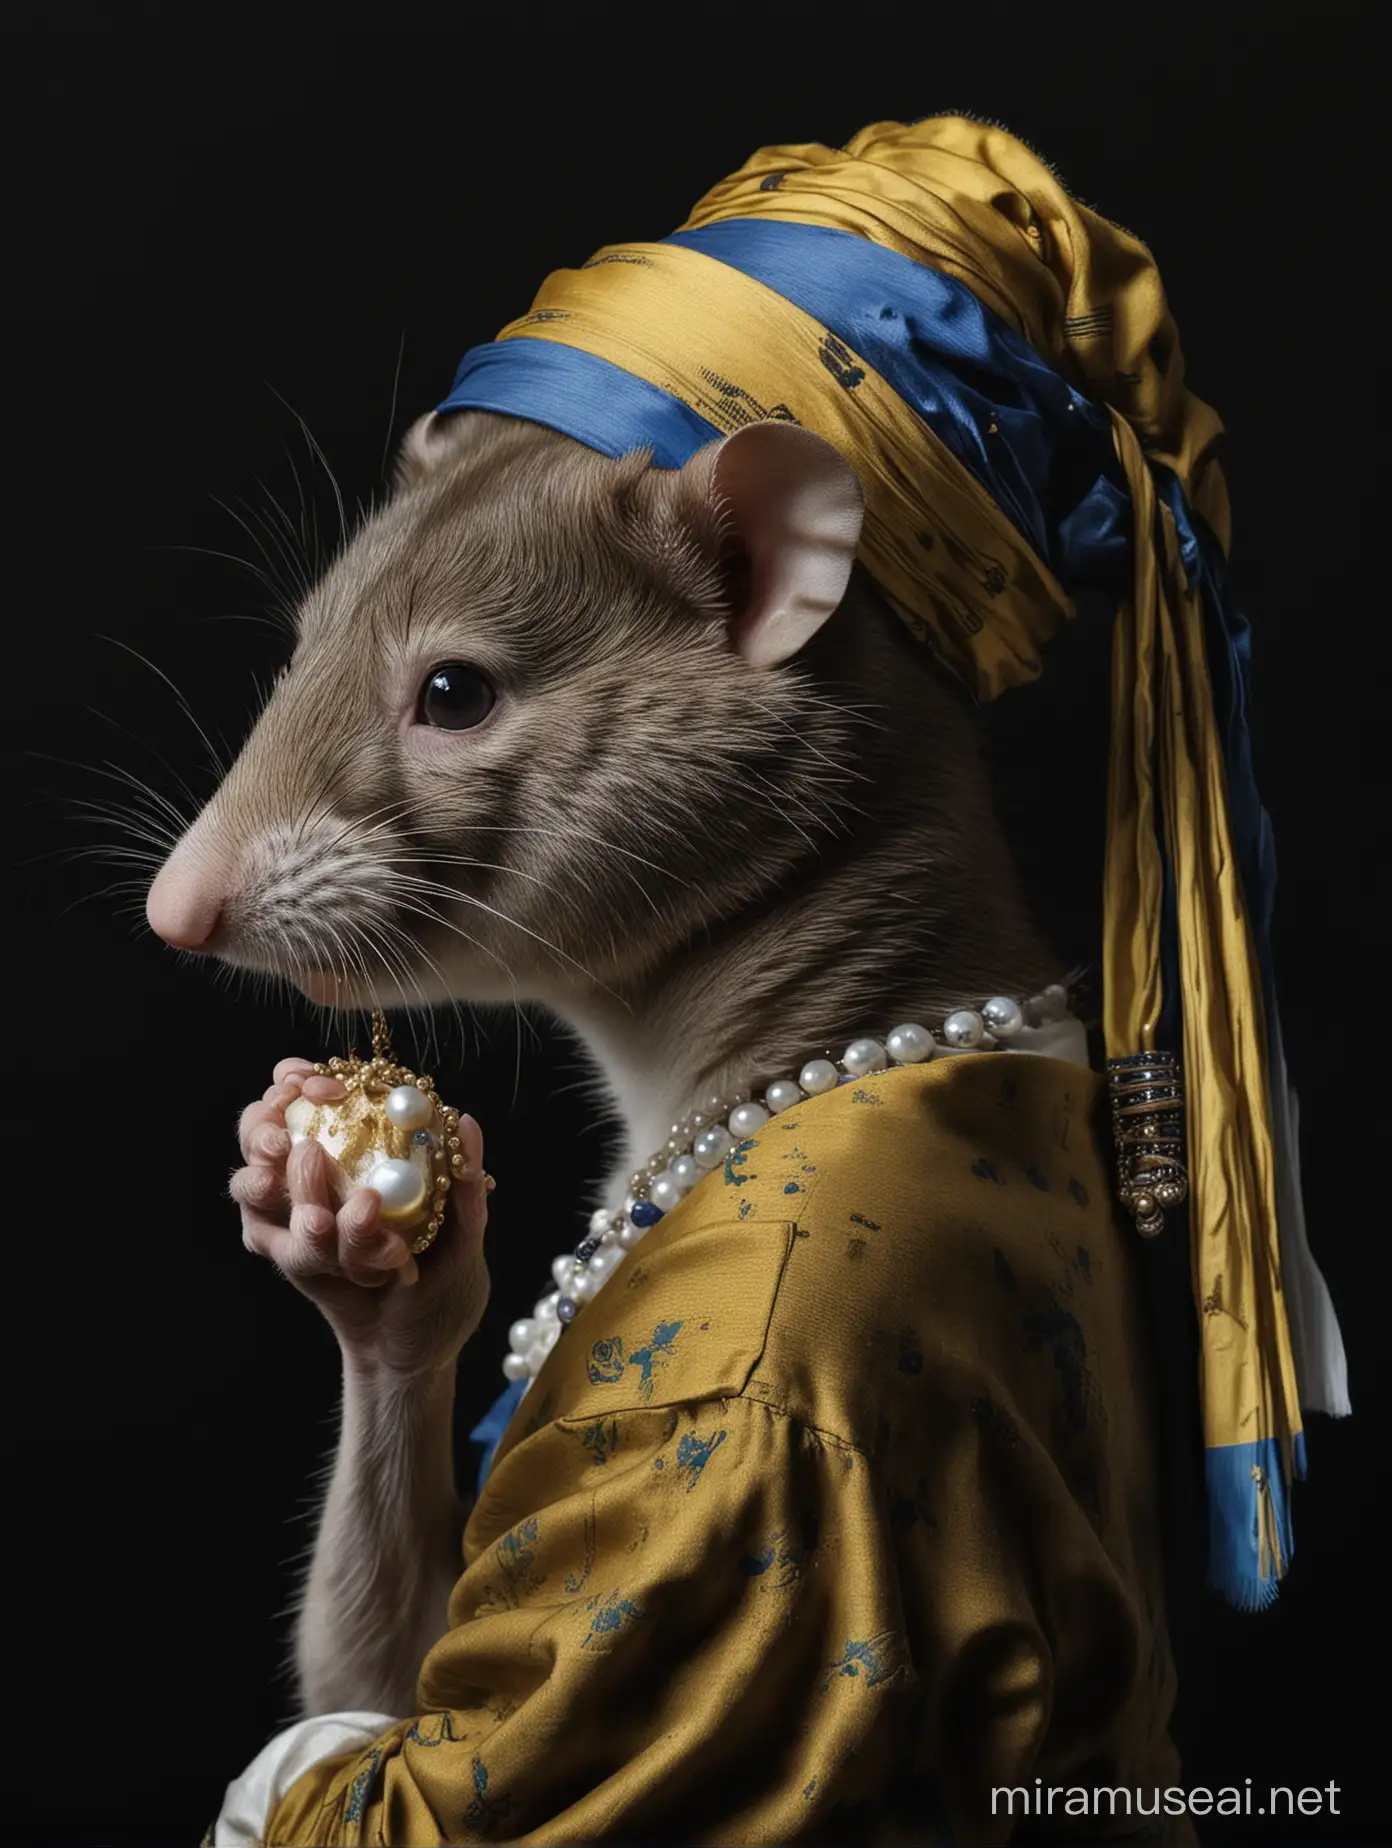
702, 1140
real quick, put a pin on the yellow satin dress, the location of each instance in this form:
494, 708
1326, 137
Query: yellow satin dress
832, 1513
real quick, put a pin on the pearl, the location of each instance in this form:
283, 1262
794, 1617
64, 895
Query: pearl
863, 1056
662, 1182
964, 1028
563, 1269
712, 1145
747, 1119
536, 1354
522, 1334
910, 1044
666, 1192
1003, 1016
401, 1186
409, 1108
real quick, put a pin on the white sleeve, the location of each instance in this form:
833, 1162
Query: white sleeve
252, 1796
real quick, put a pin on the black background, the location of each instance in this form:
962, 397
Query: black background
199, 229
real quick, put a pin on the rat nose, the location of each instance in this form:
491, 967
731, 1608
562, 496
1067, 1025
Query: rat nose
184, 904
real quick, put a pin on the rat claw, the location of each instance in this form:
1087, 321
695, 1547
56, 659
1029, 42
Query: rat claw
257, 1187
358, 1217
307, 1176
313, 1224
390, 1253
269, 1143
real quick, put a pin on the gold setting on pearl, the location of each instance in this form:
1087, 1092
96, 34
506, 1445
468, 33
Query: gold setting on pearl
373, 1080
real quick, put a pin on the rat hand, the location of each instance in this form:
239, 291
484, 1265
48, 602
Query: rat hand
385, 1309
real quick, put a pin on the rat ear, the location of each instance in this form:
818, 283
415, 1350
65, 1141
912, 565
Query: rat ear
430, 441
790, 512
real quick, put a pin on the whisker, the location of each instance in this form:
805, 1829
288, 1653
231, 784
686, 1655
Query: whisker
159, 756
311, 551
277, 623
352, 826
297, 558
483, 866
118, 774
391, 414
314, 445
434, 1049
231, 558
128, 856
274, 580
568, 833
118, 885
297, 581
466, 898
184, 706
317, 803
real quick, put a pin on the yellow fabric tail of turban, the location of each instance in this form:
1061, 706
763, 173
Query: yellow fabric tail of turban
709, 331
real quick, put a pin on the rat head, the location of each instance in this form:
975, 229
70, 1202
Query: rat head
544, 720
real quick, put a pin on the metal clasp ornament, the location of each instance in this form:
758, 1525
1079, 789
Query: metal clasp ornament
1147, 1090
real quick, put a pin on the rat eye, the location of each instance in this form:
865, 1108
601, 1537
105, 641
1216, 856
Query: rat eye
455, 697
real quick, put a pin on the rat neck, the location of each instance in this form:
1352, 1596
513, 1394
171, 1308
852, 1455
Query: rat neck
904, 917
738, 1016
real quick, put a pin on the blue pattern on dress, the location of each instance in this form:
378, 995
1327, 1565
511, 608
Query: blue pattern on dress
610, 1614
693, 1454
869, 1661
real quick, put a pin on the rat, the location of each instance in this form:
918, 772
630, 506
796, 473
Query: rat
645, 746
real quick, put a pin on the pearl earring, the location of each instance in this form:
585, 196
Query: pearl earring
391, 1133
